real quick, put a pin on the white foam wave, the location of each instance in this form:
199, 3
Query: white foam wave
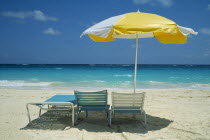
124, 75
100, 81
200, 86
173, 77
126, 83
58, 68
155, 82
20, 83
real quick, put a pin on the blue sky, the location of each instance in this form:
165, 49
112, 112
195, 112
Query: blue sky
48, 32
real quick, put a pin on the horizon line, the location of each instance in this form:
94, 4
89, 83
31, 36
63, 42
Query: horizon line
89, 64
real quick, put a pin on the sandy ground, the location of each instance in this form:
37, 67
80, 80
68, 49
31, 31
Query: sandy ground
172, 114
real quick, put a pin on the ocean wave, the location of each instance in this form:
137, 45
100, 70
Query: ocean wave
173, 77
99, 81
167, 85
154, 82
196, 85
20, 83
123, 75
125, 83
58, 68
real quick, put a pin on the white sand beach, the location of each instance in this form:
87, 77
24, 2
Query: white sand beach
172, 114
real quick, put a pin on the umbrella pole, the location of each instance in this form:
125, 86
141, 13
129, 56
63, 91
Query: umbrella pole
136, 62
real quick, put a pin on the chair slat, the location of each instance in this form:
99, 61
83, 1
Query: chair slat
91, 103
130, 100
128, 105
127, 100
132, 103
91, 98
100, 92
128, 96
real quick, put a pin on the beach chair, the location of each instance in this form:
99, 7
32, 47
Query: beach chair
91, 101
57, 102
128, 103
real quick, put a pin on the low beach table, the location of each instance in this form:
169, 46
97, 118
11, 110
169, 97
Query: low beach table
65, 102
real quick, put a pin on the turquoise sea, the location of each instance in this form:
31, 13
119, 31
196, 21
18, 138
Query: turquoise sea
112, 77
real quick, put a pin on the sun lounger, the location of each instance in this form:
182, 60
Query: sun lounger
57, 102
128, 103
91, 101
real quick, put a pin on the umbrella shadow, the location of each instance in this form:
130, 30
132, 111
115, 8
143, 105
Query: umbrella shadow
96, 122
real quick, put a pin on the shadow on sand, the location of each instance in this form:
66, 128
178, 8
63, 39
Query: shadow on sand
51, 120
96, 122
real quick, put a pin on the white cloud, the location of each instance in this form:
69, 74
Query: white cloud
36, 14
39, 15
205, 31
20, 15
51, 31
165, 3
208, 6
141, 1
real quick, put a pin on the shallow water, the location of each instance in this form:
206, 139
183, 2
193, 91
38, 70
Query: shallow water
105, 76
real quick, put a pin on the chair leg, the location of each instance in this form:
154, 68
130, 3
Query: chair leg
40, 112
73, 115
29, 118
76, 111
110, 118
75, 118
86, 114
145, 119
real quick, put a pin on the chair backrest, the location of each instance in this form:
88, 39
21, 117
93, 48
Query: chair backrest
128, 100
91, 98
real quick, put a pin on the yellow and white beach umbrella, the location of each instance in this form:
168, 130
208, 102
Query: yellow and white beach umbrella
138, 25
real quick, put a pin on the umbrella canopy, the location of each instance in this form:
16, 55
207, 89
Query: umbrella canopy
138, 25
